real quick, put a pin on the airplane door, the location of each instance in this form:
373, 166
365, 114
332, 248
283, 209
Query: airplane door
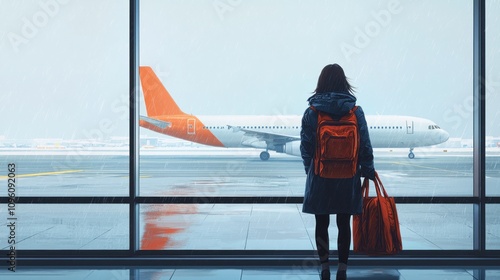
191, 126
409, 127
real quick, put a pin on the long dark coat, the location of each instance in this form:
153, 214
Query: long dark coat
334, 196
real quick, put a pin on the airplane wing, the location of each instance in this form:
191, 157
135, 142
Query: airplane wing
155, 122
272, 139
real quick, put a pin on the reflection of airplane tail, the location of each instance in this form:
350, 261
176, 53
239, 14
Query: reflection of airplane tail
158, 100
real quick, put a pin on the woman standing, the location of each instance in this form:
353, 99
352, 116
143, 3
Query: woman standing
323, 196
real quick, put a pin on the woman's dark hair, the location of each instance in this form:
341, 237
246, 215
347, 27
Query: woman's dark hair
333, 79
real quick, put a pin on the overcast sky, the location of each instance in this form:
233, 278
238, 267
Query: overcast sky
64, 70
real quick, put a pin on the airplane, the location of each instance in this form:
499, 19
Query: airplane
280, 133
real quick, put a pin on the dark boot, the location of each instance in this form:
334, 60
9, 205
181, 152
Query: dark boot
325, 274
341, 274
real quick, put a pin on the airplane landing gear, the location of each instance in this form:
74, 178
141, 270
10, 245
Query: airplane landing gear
411, 155
264, 155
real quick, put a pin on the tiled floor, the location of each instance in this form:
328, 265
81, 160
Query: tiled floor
252, 273
226, 227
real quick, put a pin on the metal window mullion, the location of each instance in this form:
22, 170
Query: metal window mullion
133, 125
479, 120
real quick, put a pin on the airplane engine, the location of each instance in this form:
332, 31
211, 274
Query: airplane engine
292, 148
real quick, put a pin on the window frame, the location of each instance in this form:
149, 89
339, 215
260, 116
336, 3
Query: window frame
479, 255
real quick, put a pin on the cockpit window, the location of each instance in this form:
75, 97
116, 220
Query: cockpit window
434, 127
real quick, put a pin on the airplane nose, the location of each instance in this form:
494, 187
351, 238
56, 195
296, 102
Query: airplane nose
444, 136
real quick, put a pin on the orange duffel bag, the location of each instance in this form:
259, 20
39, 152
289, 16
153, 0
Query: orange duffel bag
376, 230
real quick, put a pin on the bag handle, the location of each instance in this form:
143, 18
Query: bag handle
379, 187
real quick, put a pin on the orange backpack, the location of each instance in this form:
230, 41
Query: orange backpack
337, 145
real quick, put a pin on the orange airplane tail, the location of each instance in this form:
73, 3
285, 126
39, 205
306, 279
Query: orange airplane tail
158, 100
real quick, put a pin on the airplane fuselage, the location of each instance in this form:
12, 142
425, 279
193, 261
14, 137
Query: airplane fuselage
280, 133
232, 131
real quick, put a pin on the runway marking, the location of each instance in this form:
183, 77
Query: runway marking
433, 168
44, 173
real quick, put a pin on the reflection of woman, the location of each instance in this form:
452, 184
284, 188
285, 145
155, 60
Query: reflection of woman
323, 197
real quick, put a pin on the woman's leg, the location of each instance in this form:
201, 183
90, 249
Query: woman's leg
344, 238
322, 239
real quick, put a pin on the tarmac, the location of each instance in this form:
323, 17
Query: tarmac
227, 172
